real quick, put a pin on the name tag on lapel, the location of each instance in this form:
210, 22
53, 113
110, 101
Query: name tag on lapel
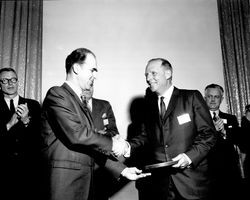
105, 119
182, 119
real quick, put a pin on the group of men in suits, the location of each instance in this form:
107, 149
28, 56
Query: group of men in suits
79, 137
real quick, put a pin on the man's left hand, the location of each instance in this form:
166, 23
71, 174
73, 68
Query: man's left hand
132, 173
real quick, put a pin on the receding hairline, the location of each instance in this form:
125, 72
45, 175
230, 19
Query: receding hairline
214, 86
163, 63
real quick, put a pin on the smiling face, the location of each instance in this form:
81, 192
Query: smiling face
157, 77
9, 88
86, 72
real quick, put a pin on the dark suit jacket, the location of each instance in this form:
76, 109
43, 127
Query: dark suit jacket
187, 128
70, 145
224, 153
19, 151
103, 117
224, 158
102, 108
244, 145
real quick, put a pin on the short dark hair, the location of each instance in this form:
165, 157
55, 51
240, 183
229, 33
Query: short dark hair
213, 85
8, 69
77, 56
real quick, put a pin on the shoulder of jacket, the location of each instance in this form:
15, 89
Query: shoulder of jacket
100, 101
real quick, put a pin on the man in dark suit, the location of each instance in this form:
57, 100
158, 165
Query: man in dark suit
224, 157
19, 140
102, 114
177, 127
71, 141
104, 121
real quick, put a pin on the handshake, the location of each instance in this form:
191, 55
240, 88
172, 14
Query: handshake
122, 148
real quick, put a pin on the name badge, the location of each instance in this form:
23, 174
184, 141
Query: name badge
105, 119
182, 119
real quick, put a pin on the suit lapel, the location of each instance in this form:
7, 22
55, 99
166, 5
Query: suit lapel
21, 100
94, 108
79, 102
5, 109
172, 103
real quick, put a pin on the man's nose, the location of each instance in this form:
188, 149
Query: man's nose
148, 77
212, 98
94, 75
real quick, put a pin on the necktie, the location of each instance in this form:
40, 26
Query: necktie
85, 102
163, 108
214, 116
12, 107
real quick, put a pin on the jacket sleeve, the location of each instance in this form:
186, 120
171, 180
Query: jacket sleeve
71, 124
205, 138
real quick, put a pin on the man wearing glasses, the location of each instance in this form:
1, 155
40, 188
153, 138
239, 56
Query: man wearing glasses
19, 139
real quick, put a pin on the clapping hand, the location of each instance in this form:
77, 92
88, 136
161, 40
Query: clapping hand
22, 112
12, 122
132, 173
219, 125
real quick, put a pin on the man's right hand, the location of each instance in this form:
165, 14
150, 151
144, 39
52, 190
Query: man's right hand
120, 146
12, 122
219, 125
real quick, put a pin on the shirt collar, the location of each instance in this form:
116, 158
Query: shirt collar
76, 89
15, 100
212, 112
167, 94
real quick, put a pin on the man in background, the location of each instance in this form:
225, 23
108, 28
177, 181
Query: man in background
104, 121
224, 157
19, 140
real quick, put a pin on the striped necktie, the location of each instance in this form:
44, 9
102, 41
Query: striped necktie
214, 116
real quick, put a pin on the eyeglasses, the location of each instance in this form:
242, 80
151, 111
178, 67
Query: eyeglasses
8, 80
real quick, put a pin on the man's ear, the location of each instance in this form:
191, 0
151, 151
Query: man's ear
168, 74
75, 68
222, 99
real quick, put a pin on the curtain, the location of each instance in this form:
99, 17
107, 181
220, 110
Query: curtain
21, 43
234, 22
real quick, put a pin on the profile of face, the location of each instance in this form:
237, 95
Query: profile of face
8, 83
213, 97
86, 72
157, 76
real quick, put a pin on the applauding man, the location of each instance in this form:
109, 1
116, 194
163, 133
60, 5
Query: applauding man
19, 142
